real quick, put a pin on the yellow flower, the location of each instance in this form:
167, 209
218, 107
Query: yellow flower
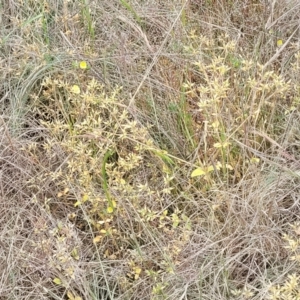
83, 65
110, 209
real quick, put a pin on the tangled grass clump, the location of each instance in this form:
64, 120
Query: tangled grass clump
111, 180
149, 152
290, 288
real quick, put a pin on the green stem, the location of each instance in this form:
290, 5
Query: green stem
107, 155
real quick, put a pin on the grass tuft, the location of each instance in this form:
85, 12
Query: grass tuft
149, 151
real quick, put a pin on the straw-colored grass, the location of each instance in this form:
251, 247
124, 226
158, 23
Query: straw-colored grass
149, 150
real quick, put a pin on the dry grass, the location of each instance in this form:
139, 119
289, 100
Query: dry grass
149, 151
